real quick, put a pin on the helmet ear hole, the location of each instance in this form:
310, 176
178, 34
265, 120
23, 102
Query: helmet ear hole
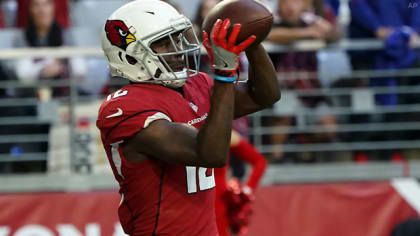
131, 59
158, 73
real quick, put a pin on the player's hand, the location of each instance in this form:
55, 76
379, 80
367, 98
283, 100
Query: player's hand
223, 51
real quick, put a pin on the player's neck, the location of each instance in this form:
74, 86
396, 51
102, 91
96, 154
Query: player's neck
179, 90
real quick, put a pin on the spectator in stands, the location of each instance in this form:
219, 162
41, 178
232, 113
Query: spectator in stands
297, 23
15, 148
393, 21
397, 22
61, 12
44, 31
378, 19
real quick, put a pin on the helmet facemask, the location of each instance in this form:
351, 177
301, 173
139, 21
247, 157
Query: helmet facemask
170, 56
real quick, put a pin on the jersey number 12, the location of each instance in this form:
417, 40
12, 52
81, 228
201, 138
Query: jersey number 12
205, 179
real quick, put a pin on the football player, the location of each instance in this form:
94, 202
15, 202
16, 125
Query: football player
166, 131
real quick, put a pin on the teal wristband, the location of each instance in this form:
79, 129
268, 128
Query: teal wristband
225, 79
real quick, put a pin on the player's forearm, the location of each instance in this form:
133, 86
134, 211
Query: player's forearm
213, 139
262, 80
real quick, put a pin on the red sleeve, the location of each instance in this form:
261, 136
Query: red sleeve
124, 113
122, 118
247, 152
129, 125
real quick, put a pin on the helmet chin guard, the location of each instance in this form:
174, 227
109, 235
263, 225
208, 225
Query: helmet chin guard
133, 30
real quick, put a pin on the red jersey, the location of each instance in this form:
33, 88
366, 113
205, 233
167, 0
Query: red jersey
159, 198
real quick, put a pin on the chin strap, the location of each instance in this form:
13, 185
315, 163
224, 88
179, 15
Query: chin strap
174, 83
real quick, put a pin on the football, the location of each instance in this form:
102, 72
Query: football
256, 19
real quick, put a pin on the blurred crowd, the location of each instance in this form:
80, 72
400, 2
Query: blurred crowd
310, 114
304, 75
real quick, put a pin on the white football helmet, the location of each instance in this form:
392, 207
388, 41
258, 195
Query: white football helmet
131, 30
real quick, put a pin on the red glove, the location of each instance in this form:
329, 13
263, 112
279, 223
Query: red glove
238, 206
224, 55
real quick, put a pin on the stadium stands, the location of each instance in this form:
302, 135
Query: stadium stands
50, 144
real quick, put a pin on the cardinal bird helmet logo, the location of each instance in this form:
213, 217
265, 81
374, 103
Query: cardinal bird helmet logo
118, 34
